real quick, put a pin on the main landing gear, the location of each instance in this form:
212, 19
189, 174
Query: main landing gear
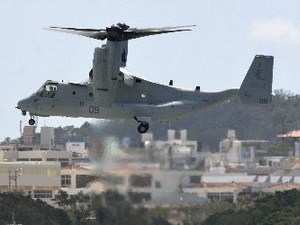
143, 126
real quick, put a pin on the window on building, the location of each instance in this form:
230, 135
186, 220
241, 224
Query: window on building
220, 196
36, 159
196, 179
141, 180
227, 196
213, 196
51, 159
138, 197
42, 194
63, 161
82, 180
53, 172
65, 180
157, 184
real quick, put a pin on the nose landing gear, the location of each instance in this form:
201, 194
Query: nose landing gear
31, 121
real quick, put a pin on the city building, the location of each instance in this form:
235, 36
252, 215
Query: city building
240, 152
175, 153
36, 179
166, 172
63, 157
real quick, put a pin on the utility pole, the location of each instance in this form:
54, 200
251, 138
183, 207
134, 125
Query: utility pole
9, 181
17, 173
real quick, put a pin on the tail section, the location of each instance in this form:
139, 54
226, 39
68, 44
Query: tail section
257, 85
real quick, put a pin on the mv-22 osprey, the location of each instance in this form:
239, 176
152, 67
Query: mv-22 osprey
114, 93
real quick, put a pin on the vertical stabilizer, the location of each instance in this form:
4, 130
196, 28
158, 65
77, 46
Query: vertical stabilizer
257, 85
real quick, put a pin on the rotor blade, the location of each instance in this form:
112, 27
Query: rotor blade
167, 28
99, 34
133, 33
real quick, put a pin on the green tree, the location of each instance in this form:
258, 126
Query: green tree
29, 211
279, 208
78, 206
62, 199
112, 208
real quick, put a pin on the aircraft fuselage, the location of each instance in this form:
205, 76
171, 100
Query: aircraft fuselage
142, 99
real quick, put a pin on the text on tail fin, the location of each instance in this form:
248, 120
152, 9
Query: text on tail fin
257, 85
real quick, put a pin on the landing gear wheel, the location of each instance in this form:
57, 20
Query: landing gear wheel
143, 127
31, 121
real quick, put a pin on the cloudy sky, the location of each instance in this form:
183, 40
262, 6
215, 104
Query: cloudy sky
215, 55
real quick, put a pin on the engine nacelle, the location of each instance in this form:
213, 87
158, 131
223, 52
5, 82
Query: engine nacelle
106, 67
101, 82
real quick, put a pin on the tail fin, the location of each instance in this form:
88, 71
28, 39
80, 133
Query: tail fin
257, 85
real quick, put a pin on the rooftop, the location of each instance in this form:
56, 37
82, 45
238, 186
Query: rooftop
292, 134
219, 185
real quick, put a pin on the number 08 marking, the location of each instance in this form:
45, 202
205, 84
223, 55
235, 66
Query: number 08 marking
94, 109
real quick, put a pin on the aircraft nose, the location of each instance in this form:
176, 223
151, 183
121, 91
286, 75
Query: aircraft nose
24, 104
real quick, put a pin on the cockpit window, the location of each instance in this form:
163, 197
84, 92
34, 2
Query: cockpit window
47, 90
50, 90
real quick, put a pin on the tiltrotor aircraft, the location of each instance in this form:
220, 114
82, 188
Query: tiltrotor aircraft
114, 93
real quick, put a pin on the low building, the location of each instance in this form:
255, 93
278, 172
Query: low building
63, 157
147, 184
228, 186
29, 136
241, 152
8, 153
47, 136
76, 177
217, 191
281, 187
75, 146
175, 153
12, 153
36, 179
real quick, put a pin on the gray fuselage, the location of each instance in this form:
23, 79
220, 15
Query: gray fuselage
141, 99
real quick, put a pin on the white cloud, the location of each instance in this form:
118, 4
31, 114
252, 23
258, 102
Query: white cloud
278, 31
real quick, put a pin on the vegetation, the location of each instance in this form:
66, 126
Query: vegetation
280, 208
28, 211
112, 208
107, 208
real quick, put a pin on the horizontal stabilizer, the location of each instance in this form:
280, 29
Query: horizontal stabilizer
257, 85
